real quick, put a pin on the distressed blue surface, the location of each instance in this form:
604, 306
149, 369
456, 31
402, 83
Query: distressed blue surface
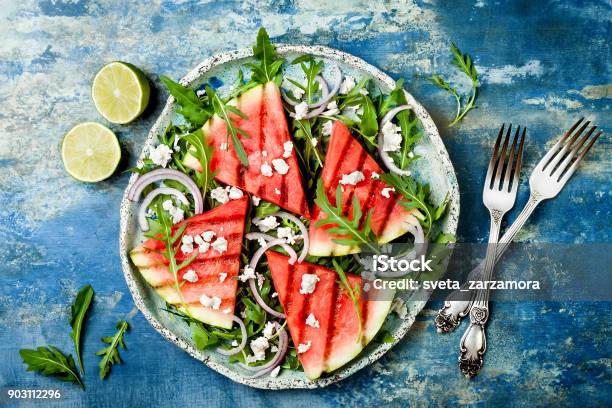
543, 64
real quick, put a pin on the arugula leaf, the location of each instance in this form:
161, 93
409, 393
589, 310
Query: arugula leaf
203, 152
50, 361
201, 337
223, 110
466, 65
269, 63
110, 354
352, 234
192, 108
369, 122
78, 311
311, 69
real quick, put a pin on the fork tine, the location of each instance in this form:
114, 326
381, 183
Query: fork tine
556, 173
510, 163
519, 163
497, 182
489, 175
559, 143
573, 167
567, 146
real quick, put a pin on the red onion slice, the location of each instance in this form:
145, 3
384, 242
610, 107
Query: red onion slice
324, 93
169, 174
278, 359
257, 235
322, 104
282, 340
381, 141
240, 347
286, 216
142, 213
420, 247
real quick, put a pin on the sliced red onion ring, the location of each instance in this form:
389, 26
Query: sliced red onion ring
282, 339
381, 141
324, 93
257, 235
142, 213
170, 174
286, 216
420, 248
283, 345
322, 104
240, 347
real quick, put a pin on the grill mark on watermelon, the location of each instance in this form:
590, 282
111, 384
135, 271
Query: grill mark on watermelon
263, 113
306, 306
343, 152
214, 220
289, 292
367, 205
364, 312
336, 294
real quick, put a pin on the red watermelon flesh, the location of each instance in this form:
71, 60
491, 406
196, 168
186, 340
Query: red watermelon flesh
226, 221
338, 339
267, 127
344, 156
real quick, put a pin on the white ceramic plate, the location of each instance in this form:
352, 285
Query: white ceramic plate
434, 168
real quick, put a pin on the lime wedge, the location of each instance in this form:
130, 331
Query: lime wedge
90, 152
120, 92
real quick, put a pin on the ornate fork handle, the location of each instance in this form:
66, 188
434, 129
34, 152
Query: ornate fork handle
457, 304
474, 342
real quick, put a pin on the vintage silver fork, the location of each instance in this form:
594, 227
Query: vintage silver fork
498, 195
547, 179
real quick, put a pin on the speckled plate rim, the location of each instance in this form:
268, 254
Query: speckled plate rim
127, 213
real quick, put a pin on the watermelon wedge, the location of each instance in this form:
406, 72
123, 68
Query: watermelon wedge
338, 339
225, 221
344, 156
267, 127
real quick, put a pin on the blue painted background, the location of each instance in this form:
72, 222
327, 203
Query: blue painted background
542, 64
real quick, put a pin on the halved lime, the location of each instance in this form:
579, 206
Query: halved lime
120, 92
90, 152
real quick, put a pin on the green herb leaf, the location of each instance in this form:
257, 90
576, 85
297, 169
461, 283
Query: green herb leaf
77, 318
349, 229
50, 361
110, 354
369, 122
191, 107
269, 63
464, 63
203, 152
201, 337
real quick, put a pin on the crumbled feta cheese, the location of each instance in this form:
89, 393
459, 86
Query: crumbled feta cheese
314, 142
260, 280
301, 110
309, 281
198, 240
187, 239
208, 235
249, 273
264, 153
352, 178
222, 276
327, 128
312, 321
201, 92
286, 232
269, 329
223, 146
274, 349
176, 213
280, 166
411, 155
150, 213
392, 137
375, 175
347, 85
255, 200
220, 245
274, 373
139, 165
187, 248
277, 191
386, 192
266, 169
227, 310
332, 109
366, 287
235, 193
266, 224
398, 306
161, 155
203, 247
167, 205
213, 302
190, 276
297, 92
259, 347
261, 242
235, 343
287, 149
219, 194
273, 295
304, 347
363, 91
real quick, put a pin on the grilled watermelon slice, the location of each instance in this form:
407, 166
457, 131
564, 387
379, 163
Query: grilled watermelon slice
226, 221
344, 156
266, 125
338, 339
